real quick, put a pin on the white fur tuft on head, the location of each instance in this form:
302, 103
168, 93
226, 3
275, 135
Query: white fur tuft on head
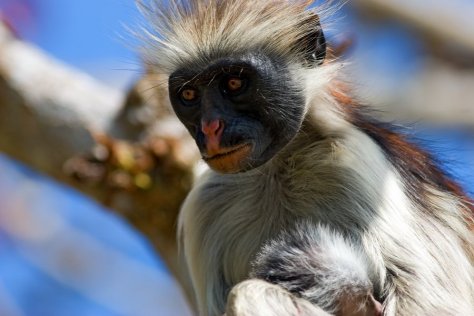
199, 31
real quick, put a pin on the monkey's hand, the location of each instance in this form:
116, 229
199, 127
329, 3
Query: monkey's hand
256, 298
316, 264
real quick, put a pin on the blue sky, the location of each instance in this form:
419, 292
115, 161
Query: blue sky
88, 34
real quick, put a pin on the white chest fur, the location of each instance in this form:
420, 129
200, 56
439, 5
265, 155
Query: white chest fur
243, 221
347, 184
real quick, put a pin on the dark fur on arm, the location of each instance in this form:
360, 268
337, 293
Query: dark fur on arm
320, 266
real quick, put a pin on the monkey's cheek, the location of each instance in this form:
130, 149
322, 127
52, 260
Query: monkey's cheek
231, 163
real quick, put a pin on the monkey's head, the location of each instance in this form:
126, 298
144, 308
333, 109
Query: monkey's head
235, 73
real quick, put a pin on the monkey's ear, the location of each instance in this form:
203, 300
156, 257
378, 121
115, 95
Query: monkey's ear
313, 44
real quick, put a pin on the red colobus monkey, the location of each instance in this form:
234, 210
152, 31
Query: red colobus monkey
311, 206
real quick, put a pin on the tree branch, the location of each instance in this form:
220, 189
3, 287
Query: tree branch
131, 155
445, 21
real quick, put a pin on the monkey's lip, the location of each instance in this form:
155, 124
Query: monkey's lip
228, 160
225, 152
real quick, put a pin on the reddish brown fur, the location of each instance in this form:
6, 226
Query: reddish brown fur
413, 162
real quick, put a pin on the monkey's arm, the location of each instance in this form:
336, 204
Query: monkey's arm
322, 268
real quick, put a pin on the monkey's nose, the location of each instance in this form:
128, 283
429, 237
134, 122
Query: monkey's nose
212, 128
213, 132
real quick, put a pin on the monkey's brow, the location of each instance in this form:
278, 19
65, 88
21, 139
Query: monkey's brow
196, 79
207, 76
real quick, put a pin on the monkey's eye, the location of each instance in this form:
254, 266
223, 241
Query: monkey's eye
234, 85
189, 96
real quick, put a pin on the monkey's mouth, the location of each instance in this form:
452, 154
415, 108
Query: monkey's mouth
225, 152
228, 160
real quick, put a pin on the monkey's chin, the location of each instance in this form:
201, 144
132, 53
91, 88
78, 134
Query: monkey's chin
229, 160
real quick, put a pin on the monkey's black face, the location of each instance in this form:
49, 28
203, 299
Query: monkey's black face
241, 110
